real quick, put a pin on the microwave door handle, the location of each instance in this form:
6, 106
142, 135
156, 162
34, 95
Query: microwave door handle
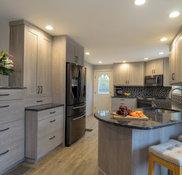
157, 78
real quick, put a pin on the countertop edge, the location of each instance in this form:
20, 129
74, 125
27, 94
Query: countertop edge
42, 108
138, 128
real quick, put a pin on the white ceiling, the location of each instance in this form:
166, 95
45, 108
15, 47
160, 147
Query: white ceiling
111, 30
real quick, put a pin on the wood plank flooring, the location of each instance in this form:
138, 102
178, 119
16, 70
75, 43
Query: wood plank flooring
79, 159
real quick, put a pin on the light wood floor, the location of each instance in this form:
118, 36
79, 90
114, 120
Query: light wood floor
78, 159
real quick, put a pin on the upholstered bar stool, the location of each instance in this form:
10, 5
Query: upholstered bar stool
168, 155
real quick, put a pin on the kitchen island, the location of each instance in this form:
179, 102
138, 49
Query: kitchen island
123, 145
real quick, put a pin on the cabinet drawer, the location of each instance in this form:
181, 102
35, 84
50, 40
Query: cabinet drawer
52, 124
11, 94
11, 154
11, 111
58, 111
11, 134
48, 143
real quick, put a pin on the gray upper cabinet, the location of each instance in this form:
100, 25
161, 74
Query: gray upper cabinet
175, 60
74, 52
131, 74
31, 48
155, 67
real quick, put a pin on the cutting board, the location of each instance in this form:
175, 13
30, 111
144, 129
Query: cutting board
128, 117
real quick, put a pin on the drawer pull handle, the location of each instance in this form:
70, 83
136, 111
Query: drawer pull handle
1, 154
52, 121
4, 130
53, 112
39, 101
78, 107
4, 95
5, 106
52, 137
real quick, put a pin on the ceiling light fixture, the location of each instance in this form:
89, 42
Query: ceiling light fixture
163, 39
87, 53
49, 27
174, 14
161, 53
140, 2
100, 62
146, 58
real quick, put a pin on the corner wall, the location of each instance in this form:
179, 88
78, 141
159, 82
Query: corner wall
89, 89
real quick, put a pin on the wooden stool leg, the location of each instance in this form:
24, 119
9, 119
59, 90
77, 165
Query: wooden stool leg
151, 165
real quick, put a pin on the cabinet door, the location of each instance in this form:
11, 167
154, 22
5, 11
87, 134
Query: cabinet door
120, 74
178, 60
70, 51
79, 53
136, 74
30, 63
44, 66
158, 67
148, 68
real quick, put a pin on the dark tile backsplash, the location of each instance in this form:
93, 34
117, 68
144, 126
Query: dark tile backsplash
177, 99
143, 91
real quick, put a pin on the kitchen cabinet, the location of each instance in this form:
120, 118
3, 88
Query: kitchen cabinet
74, 52
131, 74
31, 48
155, 67
175, 60
129, 102
44, 131
11, 128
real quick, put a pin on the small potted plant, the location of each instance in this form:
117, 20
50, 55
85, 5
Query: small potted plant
6, 65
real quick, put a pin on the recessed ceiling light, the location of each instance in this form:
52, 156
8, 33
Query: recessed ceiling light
174, 14
140, 2
124, 61
49, 27
161, 53
146, 58
163, 39
100, 62
87, 53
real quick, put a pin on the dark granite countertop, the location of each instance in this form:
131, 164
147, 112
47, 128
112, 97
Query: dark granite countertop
43, 107
122, 96
156, 119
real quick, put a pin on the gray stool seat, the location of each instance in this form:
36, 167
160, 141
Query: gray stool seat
170, 151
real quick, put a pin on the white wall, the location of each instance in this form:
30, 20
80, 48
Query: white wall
4, 45
89, 89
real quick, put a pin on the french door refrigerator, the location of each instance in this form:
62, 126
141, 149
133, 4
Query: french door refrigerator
75, 102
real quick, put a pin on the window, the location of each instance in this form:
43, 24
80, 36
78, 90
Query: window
103, 84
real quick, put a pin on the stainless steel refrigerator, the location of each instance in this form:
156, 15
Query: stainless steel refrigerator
75, 102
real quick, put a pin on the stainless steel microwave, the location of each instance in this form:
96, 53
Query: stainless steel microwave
155, 80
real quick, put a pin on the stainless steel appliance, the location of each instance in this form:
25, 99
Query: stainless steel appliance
75, 102
155, 80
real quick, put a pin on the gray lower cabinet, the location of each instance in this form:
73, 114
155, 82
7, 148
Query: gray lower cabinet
44, 132
129, 102
11, 128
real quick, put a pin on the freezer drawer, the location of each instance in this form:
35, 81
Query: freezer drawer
75, 129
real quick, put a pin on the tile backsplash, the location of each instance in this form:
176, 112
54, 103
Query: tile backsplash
143, 91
